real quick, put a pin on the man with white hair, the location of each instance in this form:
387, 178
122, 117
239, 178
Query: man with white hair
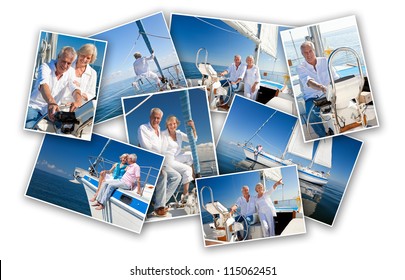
150, 138
141, 67
247, 206
314, 81
130, 179
236, 72
54, 79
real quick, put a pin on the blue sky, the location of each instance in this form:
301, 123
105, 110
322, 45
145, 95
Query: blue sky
76, 43
60, 156
240, 126
189, 34
169, 103
227, 188
124, 41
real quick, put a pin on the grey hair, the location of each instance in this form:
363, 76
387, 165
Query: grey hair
258, 184
244, 187
250, 56
133, 157
237, 55
69, 51
89, 49
156, 110
307, 43
123, 156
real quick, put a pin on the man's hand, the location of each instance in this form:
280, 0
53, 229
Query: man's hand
52, 109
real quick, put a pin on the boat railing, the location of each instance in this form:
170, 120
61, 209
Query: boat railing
198, 56
150, 173
176, 75
202, 197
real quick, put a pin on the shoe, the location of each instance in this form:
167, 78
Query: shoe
161, 211
100, 207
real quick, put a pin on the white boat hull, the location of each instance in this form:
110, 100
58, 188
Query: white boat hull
263, 158
125, 209
314, 177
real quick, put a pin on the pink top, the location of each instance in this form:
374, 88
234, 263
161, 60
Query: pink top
132, 173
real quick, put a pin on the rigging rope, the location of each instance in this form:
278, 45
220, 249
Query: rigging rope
223, 29
157, 36
295, 48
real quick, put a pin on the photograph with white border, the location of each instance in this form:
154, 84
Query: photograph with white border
329, 78
250, 205
104, 179
176, 124
65, 85
233, 57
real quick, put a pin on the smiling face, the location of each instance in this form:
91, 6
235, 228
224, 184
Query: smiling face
259, 189
245, 191
237, 60
309, 54
124, 159
155, 119
172, 124
63, 63
249, 61
84, 59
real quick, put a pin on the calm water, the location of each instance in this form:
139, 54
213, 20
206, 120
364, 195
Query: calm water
58, 191
320, 203
109, 103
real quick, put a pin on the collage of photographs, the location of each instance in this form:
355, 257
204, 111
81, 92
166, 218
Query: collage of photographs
290, 96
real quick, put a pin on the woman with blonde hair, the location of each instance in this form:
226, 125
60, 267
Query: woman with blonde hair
174, 155
265, 208
116, 172
85, 76
252, 78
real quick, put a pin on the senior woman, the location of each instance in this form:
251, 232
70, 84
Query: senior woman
85, 76
174, 156
251, 79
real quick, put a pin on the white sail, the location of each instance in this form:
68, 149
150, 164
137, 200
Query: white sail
298, 147
273, 174
268, 34
323, 154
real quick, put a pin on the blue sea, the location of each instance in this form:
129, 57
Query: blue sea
322, 206
191, 72
109, 102
59, 191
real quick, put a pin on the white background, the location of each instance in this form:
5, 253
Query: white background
39, 241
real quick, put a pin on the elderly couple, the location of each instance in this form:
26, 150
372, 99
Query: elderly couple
178, 164
247, 73
125, 175
260, 204
65, 78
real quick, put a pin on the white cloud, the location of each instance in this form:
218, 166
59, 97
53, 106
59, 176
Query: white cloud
45, 165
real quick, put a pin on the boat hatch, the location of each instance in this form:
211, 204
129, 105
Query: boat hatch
126, 199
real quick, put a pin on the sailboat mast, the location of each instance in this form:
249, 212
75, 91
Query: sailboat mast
316, 38
98, 159
148, 44
186, 110
258, 46
260, 128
